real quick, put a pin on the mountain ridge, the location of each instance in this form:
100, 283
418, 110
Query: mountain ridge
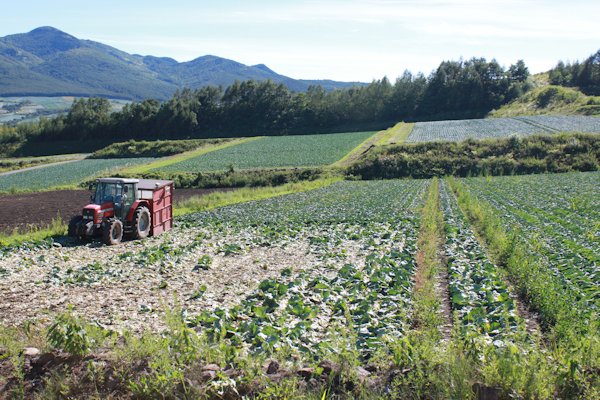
49, 62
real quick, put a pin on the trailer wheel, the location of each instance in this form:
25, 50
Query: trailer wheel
112, 232
72, 231
142, 221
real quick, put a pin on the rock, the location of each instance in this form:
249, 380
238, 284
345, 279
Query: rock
306, 372
362, 373
273, 368
31, 351
208, 375
56, 244
329, 367
211, 367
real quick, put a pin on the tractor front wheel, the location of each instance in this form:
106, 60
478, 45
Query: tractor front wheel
141, 223
72, 231
112, 232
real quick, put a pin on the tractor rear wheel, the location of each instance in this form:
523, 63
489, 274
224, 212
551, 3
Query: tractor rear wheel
72, 231
142, 221
112, 232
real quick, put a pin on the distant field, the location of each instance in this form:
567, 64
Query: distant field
500, 127
12, 164
63, 174
22, 109
275, 151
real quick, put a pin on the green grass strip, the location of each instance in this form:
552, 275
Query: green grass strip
163, 162
56, 228
427, 313
397, 134
358, 151
220, 199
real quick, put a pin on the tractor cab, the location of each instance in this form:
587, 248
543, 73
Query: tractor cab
120, 194
118, 206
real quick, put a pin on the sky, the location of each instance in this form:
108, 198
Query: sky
345, 40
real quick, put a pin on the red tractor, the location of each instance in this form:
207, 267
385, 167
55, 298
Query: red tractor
136, 207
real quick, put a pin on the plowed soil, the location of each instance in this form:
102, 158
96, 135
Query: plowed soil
22, 211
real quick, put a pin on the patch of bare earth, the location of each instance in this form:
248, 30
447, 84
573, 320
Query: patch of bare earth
131, 285
25, 210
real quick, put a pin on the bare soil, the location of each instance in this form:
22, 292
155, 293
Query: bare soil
29, 210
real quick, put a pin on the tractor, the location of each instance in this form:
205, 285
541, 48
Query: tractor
137, 208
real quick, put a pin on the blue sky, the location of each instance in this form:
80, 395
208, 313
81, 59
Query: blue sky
351, 40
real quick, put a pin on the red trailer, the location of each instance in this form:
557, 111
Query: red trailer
123, 206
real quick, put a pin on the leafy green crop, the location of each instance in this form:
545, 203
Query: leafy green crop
500, 127
478, 293
559, 214
275, 151
304, 310
63, 174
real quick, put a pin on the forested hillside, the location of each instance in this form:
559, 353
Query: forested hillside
457, 89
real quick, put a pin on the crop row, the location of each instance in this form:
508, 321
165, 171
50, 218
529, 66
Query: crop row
63, 174
368, 296
500, 127
367, 301
339, 236
558, 216
565, 123
479, 295
274, 152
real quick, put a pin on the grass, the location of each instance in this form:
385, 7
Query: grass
427, 304
550, 100
220, 199
154, 148
168, 161
358, 151
507, 156
573, 342
56, 228
274, 152
396, 134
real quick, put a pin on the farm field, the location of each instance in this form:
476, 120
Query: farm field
500, 127
63, 174
304, 278
30, 108
17, 163
335, 235
479, 295
559, 215
37, 210
275, 152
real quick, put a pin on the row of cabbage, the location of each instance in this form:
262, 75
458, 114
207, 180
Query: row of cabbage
63, 174
500, 127
484, 305
363, 304
275, 152
559, 216
352, 280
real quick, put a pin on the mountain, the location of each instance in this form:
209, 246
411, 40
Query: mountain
49, 62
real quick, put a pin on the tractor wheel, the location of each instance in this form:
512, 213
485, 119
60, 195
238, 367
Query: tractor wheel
112, 232
141, 223
72, 231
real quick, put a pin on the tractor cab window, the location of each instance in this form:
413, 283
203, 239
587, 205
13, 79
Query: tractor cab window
108, 192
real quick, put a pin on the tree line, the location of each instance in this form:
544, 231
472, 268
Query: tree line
584, 75
455, 90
